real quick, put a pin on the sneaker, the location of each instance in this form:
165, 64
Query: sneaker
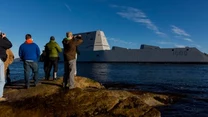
2, 99
67, 85
71, 87
54, 78
63, 85
36, 84
46, 78
26, 87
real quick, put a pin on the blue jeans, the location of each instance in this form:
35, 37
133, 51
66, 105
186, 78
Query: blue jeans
27, 68
2, 78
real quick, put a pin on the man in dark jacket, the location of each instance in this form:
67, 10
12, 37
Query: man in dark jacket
70, 44
4, 45
52, 50
29, 52
44, 58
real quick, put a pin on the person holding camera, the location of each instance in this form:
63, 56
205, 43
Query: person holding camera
70, 44
4, 45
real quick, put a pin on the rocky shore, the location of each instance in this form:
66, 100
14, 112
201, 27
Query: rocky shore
88, 99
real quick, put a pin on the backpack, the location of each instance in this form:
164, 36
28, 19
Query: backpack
10, 56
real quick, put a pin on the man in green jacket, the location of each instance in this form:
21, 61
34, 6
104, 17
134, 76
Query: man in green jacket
52, 50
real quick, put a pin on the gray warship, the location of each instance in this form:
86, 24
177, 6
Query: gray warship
95, 48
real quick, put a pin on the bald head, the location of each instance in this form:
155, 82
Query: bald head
69, 34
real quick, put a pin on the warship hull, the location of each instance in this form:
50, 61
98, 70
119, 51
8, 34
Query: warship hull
143, 56
95, 48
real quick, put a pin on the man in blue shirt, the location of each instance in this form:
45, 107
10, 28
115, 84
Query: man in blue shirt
29, 52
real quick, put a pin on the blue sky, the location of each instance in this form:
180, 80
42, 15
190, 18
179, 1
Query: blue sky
126, 23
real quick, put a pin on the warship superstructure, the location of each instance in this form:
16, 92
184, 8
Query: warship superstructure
95, 48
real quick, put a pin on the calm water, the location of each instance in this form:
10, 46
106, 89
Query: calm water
189, 80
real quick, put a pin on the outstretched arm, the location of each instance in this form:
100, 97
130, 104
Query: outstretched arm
78, 40
58, 48
5, 43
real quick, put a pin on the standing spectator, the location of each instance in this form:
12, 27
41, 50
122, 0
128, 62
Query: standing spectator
52, 50
4, 45
9, 60
44, 58
70, 44
29, 52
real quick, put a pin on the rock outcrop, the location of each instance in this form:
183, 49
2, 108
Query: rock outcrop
89, 99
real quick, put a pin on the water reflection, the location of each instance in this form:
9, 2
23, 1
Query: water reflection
96, 71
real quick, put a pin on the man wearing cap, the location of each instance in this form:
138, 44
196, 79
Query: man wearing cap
52, 50
70, 44
4, 45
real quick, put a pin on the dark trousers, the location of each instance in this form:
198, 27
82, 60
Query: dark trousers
8, 79
45, 67
27, 68
51, 63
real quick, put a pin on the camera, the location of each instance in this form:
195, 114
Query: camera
1, 34
77, 36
